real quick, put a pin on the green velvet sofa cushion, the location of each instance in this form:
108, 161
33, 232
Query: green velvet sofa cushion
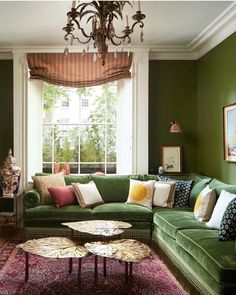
190, 266
50, 212
171, 221
218, 185
123, 212
216, 257
114, 188
77, 178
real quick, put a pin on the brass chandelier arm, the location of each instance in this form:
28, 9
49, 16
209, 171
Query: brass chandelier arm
100, 16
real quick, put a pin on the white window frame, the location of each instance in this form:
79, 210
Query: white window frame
139, 140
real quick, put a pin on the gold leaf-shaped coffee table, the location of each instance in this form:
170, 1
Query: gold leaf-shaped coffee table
54, 247
99, 227
127, 250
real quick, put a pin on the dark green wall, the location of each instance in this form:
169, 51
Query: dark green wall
216, 88
6, 107
173, 96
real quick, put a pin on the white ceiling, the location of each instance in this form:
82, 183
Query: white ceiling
167, 24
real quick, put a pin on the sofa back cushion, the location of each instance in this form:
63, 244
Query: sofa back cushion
69, 179
218, 186
114, 188
197, 187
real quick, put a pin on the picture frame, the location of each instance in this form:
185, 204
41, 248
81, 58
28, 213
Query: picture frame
171, 158
229, 135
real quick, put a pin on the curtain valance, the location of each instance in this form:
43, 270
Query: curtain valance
78, 70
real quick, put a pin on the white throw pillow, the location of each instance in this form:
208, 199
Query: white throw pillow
87, 194
205, 204
164, 193
141, 192
222, 203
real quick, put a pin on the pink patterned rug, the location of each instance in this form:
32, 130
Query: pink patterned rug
51, 277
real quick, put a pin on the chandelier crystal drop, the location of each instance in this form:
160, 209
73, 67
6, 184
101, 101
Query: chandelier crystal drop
100, 16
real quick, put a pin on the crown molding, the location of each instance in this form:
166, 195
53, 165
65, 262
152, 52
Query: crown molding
6, 55
221, 28
172, 55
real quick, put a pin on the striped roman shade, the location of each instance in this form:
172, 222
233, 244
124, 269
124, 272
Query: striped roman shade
78, 70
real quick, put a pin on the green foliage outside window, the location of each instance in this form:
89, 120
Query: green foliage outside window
94, 141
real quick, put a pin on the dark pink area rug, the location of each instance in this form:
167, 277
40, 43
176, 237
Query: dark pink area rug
51, 277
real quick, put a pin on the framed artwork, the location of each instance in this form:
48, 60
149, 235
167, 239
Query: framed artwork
171, 158
229, 119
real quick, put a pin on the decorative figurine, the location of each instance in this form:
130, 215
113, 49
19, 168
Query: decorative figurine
10, 176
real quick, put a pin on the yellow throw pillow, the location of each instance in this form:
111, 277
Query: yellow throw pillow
164, 193
205, 204
42, 183
87, 194
141, 192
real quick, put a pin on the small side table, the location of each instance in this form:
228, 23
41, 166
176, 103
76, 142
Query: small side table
11, 210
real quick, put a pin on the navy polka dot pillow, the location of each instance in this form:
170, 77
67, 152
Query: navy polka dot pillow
182, 191
228, 223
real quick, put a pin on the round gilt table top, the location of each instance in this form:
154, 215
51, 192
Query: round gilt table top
54, 247
99, 227
127, 250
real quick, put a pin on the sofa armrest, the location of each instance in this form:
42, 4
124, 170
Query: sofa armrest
31, 199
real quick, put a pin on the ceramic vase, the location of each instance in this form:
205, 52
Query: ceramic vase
10, 176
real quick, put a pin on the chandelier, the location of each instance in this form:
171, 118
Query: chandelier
100, 15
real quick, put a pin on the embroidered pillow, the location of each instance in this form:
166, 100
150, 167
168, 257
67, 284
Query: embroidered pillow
141, 192
205, 204
87, 194
164, 194
63, 195
222, 203
42, 183
182, 190
228, 223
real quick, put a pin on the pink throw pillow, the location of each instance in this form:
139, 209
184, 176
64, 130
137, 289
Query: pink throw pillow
63, 195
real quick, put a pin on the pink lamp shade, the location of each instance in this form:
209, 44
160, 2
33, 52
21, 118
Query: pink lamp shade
175, 127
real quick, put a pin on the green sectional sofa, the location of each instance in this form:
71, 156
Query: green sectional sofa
206, 262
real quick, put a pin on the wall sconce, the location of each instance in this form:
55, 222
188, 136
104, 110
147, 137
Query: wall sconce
175, 127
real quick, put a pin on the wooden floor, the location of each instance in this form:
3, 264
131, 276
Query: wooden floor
10, 233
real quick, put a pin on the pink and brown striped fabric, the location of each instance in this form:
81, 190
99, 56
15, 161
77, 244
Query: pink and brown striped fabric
78, 70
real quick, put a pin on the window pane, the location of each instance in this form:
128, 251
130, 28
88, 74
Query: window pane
47, 143
91, 168
74, 168
111, 94
111, 168
111, 143
47, 167
65, 143
92, 143
54, 100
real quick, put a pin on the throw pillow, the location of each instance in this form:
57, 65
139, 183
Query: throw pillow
164, 194
182, 190
228, 223
87, 194
141, 192
205, 204
42, 183
223, 201
63, 195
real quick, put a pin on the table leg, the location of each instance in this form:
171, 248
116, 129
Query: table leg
104, 266
126, 272
95, 271
26, 267
79, 273
130, 270
70, 265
